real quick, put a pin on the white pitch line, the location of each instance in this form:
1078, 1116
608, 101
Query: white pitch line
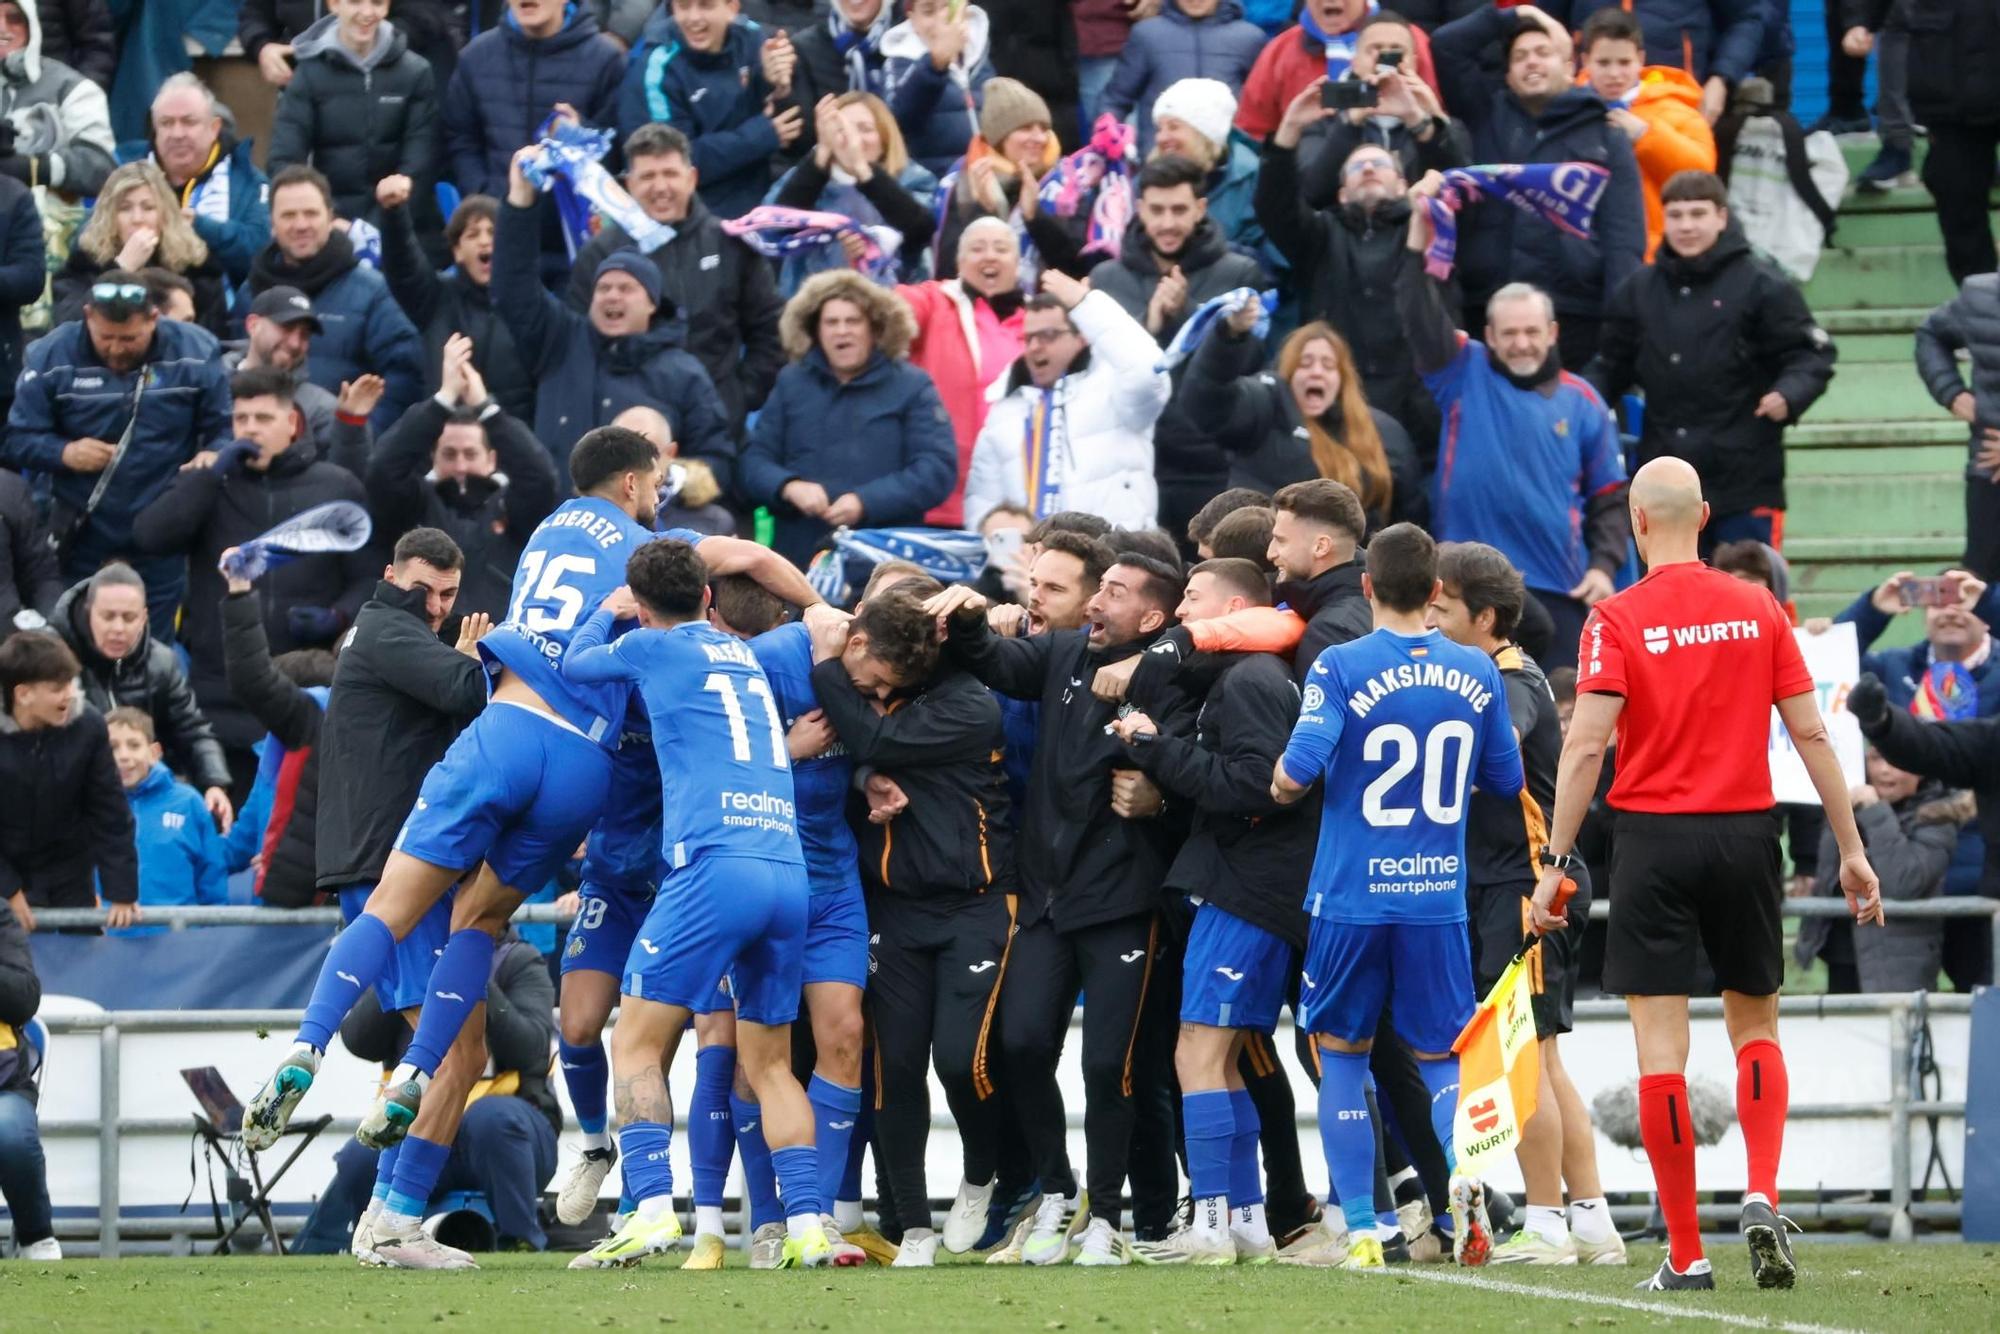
1620, 1303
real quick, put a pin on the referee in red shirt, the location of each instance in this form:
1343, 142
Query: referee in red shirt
1685, 666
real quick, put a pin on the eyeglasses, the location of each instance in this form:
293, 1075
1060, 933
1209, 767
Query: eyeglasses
1042, 337
1379, 164
119, 300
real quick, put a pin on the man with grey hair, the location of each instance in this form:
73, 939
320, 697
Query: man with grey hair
194, 142
1528, 455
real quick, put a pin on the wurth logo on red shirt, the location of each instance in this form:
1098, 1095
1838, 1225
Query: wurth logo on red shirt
1659, 638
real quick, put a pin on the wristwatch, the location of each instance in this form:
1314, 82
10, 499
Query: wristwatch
1559, 861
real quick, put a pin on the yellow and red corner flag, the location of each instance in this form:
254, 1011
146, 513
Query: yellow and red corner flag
1499, 1071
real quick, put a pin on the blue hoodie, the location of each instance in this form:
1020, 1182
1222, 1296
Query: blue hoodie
182, 859
715, 99
1169, 47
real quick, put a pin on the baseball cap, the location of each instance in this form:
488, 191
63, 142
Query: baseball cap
286, 305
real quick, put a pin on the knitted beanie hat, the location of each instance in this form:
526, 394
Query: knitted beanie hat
1009, 105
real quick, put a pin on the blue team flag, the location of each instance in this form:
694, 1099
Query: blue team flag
568, 162
1564, 194
1207, 313
337, 526
951, 556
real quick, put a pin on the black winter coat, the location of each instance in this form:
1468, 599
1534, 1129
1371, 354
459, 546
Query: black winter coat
942, 744
203, 515
211, 290
358, 121
1705, 338
400, 696
489, 518
149, 679
507, 83
1497, 243
20, 997
1256, 419
725, 291
1324, 148
23, 270
1344, 266
1079, 864
65, 818
1244, 853
442, 304
80, 33
28, 575
293, 716
1954, 49
1182, 450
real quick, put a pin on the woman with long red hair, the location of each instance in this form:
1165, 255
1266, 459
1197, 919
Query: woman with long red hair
1307, 418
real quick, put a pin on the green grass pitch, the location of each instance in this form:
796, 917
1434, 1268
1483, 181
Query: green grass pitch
1842, 1287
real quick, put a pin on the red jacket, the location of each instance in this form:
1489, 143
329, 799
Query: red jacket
948, 347
1290, 61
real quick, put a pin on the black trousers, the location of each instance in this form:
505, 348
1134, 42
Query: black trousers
1968, 952
934, 973
1982, 528
1113, 963
1286, 1199
1158, 1145
1958, 171
1846, 98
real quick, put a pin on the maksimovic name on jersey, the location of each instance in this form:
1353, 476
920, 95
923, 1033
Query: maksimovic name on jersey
1468, 687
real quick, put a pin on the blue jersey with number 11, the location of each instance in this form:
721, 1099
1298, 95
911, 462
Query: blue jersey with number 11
1400, 727
573, 561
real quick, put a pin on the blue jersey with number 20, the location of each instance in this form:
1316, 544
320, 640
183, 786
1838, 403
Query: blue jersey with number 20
725, 776
1399, 728
573, 561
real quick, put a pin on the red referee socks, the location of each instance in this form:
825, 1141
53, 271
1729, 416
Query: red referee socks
1763, 1093
1668, 1133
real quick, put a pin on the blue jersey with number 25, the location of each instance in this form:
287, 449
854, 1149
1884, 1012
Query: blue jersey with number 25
573, 561
1399, 728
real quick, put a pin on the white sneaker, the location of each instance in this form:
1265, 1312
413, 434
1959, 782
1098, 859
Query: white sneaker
1101, 1247
48, 1248
1260, 1251
1056, 1222
1414, 1218
1611, 1252
767, 1246
417, 1249
1185, 1246
586, 1179
362, 1247
1528, 1247
1328, 1236
918, 1251
1009, 1253
965, 1224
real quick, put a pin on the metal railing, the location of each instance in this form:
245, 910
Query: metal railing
1907, 1014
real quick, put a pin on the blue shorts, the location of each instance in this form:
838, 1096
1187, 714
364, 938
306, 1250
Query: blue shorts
743, 918
606, 924
837, 936
1234, 974
518, 790
1421, 971
407, 977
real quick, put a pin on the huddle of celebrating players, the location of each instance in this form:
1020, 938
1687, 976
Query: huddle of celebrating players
825, 810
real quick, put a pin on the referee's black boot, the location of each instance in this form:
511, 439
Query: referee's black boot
1700, 1277
1771, 1262
1396, 1251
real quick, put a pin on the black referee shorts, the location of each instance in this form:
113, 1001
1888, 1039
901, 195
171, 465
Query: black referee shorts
1499, 917
1679, 879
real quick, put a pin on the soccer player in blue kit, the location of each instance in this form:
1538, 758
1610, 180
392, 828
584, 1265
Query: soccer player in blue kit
734, 902
1398, 725
511, 799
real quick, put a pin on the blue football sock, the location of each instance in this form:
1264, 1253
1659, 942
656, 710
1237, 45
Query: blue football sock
1210, 1126
1441, 1078
711, 1136
643, 1158
1246, 1182
385, 1172
417, 1167
836, 1109
760, 1182
358, 956
457, 986
1347, 1134
587, 1073
797, 1166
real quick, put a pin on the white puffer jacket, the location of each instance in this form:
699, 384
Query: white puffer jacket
1101, 428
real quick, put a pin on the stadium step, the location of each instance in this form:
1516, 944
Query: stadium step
1868, 391
1880, 276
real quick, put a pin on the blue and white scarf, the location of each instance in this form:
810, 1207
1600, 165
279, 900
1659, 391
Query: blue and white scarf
862, 50
1339, 46
568, 162
337, 526
950, 556
1563, 194
781, 233
1207, 313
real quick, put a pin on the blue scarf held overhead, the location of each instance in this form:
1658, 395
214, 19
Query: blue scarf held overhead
1205, 316
780, 233
950, 556
568, 162
1563, 194
1340, 45
337, 526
